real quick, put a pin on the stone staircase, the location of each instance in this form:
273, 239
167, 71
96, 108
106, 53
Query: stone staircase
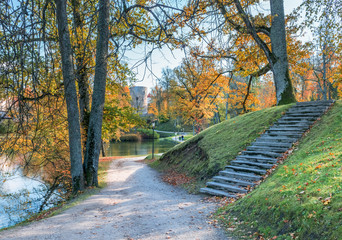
249, 167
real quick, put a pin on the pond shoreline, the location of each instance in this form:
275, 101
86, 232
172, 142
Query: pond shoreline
128, 148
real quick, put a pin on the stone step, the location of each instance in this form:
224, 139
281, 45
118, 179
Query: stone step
289, 125
277, 139
247, 169
272, 144
307, 110
240, 175
257, 158
293, 122
310, 107
227, 187
301, 115
301, 118
216, 192
233, 181
282, 134
287, 129
263, 153
316, 103
251, 163
268, 149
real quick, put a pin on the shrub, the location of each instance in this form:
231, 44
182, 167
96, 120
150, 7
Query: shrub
130, 137
148, 134
167, 134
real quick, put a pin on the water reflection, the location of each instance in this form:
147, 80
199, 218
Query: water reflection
20, 196
138, 148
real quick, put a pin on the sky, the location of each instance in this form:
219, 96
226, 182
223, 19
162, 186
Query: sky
166, 58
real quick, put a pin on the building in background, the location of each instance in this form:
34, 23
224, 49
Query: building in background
139, 99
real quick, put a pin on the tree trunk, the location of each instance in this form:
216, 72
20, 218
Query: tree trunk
280, 69
324, 77
102, 148
81, 70
226, 113
70, 97
95, 121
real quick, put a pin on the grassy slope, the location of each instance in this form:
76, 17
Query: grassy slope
208, 152
303, 197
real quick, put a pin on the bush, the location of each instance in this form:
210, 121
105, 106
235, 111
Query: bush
148, 134
164, 135
130, 137
164, 118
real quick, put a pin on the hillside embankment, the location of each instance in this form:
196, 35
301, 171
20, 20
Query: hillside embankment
301, 199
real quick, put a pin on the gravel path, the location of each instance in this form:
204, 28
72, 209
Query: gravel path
135, 205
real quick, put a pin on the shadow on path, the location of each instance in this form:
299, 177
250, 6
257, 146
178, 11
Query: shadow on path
135, 205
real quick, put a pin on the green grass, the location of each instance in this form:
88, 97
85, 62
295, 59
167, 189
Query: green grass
205, 154
303, 197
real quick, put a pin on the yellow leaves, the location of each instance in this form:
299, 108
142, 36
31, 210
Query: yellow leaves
199, 88
326, 201
141, 2
311, 215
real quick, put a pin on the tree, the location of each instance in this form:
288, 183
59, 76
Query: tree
323, 19
95, 121
24, 69
197, 88
277, 55
70, 96
118, 115
279, 62
232, 32
126, 25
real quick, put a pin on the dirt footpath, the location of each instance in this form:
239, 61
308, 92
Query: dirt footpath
135, 205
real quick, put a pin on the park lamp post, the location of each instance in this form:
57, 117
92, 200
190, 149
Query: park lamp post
153, 125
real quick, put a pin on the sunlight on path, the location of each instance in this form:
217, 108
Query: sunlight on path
135, 205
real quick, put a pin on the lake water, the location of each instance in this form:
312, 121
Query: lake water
20, 197
138, 148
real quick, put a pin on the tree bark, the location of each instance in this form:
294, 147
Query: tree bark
81, 70
280, 68
95, 121
324, 77
70, 97
103, 148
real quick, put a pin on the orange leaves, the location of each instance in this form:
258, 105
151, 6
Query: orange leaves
318, 167
198, 88
175, 178
326, 201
